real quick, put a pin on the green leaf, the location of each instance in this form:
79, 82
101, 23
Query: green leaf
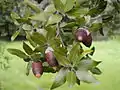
71, 78
76, 50
36, 56
68, 25
30, 40
55, 43
50, 8
58, 5
116, 5
38, 38
60, 78
33, 6
107, 18
78, 81
77, 12
80, 21
85, 53
17, 52
51, 32
53, 19
27, 48
87, 64
96, 70
62, 60
28, 68
43, 16
48, 69
15, 16
93, 50
27, 27
97, 10
95, 27
40, 49
85, 76
15, 35
69, 5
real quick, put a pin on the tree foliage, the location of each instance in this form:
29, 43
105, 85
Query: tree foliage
52, 31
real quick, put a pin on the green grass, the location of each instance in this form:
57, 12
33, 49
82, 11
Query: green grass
107, 51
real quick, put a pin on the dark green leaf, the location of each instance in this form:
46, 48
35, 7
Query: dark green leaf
96, 70
40, 49
99, 9
60, 78
55, 43
17, 52
77, 12
27, 48
101, 31
71, 78
54, 19
116, 5
36, 57
28, 68
38, 38
69, 5
80, 21
51, 32
15, 35
107, 18
62, 60
95, 27
78, 81
58, 5
48, 69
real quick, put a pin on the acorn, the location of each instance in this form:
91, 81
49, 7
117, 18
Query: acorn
84, 36
37, 69
50, 58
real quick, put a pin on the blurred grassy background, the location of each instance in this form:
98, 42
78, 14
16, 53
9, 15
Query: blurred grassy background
107, 51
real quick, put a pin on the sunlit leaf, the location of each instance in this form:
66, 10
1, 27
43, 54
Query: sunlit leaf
27, 48
69, 5
27, 27
43, 16
54, 19
33, 6
15, 35
58, 5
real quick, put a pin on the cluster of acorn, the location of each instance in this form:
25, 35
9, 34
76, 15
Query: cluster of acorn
81, 35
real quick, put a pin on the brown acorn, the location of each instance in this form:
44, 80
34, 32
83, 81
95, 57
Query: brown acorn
50, 58
84, 36
37, 69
